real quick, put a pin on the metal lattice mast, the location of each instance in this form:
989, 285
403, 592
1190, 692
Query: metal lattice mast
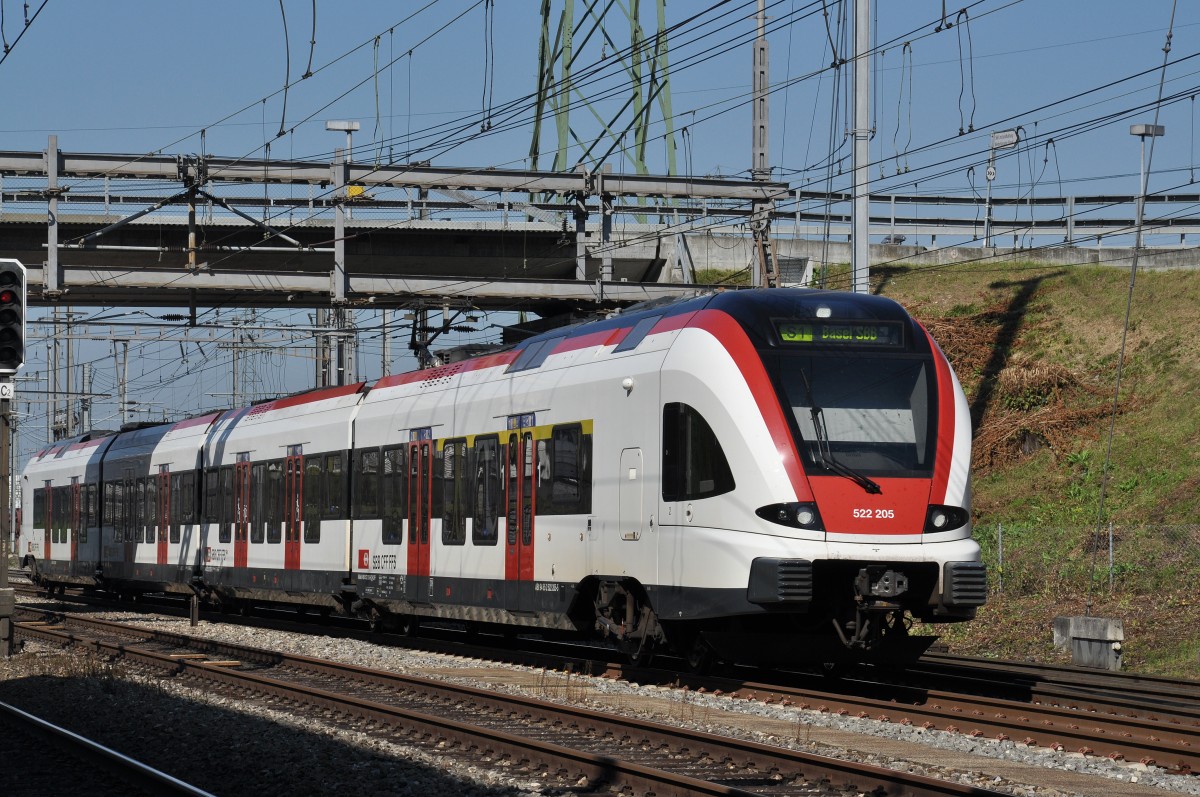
645, 63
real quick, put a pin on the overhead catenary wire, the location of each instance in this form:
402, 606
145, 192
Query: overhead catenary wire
411, 117
8, 48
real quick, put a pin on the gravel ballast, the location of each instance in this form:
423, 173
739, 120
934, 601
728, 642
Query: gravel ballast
246, 746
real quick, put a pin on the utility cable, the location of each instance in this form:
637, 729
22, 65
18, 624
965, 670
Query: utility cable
8, 48
906, 68
312, 43
287, 70
964, 21
489, 12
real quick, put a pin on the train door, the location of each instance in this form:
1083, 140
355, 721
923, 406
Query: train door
418, 585
521, 500
293, 511
241, 510
74, 519
163, 519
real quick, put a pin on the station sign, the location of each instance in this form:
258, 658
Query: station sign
1005, 139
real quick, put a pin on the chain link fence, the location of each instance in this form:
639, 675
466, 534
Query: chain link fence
1030, 559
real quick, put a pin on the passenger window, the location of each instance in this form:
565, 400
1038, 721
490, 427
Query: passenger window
486, 491
151, 507
694, 465
567, 486
225, 535
454, 484
258, 503
366, 484
312, 493
335, 488
274, 501
392, 495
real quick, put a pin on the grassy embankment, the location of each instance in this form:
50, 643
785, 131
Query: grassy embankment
1036, 348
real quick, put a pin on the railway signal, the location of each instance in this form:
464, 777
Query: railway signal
12, 316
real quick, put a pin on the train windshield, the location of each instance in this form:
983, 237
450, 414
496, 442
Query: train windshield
873, 416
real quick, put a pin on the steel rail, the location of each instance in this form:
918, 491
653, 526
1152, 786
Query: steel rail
131, 771
606, 769
1168, 740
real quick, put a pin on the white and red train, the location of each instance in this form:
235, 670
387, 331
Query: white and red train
770, 475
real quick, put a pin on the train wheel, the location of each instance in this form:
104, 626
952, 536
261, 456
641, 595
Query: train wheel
700, 656
375, 620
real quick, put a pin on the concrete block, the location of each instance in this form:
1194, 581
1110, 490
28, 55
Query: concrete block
1095, 642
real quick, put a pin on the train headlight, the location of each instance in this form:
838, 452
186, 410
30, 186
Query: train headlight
945, 518
798, 515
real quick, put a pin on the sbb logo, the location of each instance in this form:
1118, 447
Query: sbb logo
364, 559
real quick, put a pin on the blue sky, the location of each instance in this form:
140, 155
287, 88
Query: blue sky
136, 76
147, 76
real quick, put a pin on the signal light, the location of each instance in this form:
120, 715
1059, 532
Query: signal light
12, 316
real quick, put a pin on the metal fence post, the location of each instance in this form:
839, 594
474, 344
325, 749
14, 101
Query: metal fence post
1000, 551
1110, 556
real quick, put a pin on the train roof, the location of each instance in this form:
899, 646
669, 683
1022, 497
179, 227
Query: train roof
754, 309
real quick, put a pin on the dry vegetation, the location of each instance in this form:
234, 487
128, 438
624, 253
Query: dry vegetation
1036, 348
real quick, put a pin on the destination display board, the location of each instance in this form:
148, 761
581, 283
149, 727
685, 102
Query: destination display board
840, 333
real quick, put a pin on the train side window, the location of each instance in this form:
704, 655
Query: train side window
38, 521
212, 495
139, 510
91, 518
109, 503
55, 513
119, 530
392, 506
566, 470
694, 465
454, 484
366, 484
188, 500
258, 503
226, 533
312, 495
152, 511
486, 490
61, 513
335, 488
274, 513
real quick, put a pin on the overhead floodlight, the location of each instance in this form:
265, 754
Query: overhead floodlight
1147, 130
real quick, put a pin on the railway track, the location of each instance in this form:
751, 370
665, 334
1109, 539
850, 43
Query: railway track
44, 758
590, 749
1154, 721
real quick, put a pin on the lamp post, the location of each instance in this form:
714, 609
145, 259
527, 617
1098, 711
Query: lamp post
1143, 132
337, 125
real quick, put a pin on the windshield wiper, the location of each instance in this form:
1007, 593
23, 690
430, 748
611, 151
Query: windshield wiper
824, 455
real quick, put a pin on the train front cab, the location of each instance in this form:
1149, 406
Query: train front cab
60, 519
850, 459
